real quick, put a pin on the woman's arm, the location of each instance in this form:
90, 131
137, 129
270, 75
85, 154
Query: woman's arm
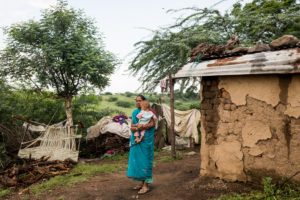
134, 127
146, 126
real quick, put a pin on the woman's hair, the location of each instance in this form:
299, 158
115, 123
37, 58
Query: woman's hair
142, 97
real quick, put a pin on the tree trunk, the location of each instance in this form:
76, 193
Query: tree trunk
69, 113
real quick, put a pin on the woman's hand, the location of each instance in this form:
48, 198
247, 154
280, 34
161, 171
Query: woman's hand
134, 128
140, 127
147, 126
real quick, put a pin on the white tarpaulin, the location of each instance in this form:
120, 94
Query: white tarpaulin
186, 122
107, 125
34, 128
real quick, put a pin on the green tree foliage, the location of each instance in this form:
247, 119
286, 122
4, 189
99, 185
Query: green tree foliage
61, 51
169, 48
167, 52
266, 20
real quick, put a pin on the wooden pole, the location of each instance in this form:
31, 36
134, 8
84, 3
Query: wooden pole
172, 130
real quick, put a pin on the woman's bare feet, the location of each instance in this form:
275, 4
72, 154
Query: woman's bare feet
144, 189
139, 186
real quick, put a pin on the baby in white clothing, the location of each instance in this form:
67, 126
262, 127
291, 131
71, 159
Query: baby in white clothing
144, 117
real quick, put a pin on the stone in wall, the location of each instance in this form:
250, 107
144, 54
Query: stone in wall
255, 131
293, 100
265, 89
228, 159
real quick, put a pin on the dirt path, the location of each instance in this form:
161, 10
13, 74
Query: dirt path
176, 180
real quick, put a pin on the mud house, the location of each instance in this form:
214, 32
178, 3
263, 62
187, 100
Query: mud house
250, 113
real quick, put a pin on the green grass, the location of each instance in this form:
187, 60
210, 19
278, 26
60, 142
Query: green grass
4, 192
118, 157
80, 173
271, 191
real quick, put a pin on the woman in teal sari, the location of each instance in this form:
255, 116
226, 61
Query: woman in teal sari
140, 162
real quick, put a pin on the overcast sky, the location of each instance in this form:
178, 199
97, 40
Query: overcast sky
121, 22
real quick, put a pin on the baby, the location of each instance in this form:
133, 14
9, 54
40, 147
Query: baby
144, 117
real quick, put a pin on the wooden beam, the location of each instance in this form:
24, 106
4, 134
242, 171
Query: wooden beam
172, 129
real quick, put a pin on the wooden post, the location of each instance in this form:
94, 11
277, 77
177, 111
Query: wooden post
172, 130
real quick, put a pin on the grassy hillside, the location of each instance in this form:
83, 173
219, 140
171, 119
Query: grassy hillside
112, 102
108, 103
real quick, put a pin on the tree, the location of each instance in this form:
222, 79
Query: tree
169, 48
266, 20
61, 52
166, 52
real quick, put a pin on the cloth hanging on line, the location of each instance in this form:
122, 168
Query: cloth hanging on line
163, 85
186, 122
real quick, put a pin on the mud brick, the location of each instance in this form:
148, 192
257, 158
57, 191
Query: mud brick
211, 124
225, 94
206, 106
210, 95
233, 107
227, 106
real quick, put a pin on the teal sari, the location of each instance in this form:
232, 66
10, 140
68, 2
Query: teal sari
140, 162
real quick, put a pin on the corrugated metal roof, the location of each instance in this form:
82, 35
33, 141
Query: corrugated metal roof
272, 62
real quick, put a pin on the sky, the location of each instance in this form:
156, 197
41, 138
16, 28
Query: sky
122, 23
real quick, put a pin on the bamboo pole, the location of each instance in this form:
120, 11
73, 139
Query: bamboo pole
172, 131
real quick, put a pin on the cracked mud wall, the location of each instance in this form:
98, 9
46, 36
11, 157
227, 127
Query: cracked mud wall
250, 126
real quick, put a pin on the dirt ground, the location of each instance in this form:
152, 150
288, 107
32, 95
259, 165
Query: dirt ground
176, 180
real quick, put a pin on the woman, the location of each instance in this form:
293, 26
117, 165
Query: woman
140, 162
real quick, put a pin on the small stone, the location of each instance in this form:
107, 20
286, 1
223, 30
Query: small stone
286, 40
259, 48
238, 50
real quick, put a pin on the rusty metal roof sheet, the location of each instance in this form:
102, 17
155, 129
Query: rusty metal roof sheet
271, 62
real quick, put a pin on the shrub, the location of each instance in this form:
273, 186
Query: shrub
112, 99
195, 106
178, 103
152, 99
108, 93
124, 104
182, 107
87, 99
129, 94
191, 93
